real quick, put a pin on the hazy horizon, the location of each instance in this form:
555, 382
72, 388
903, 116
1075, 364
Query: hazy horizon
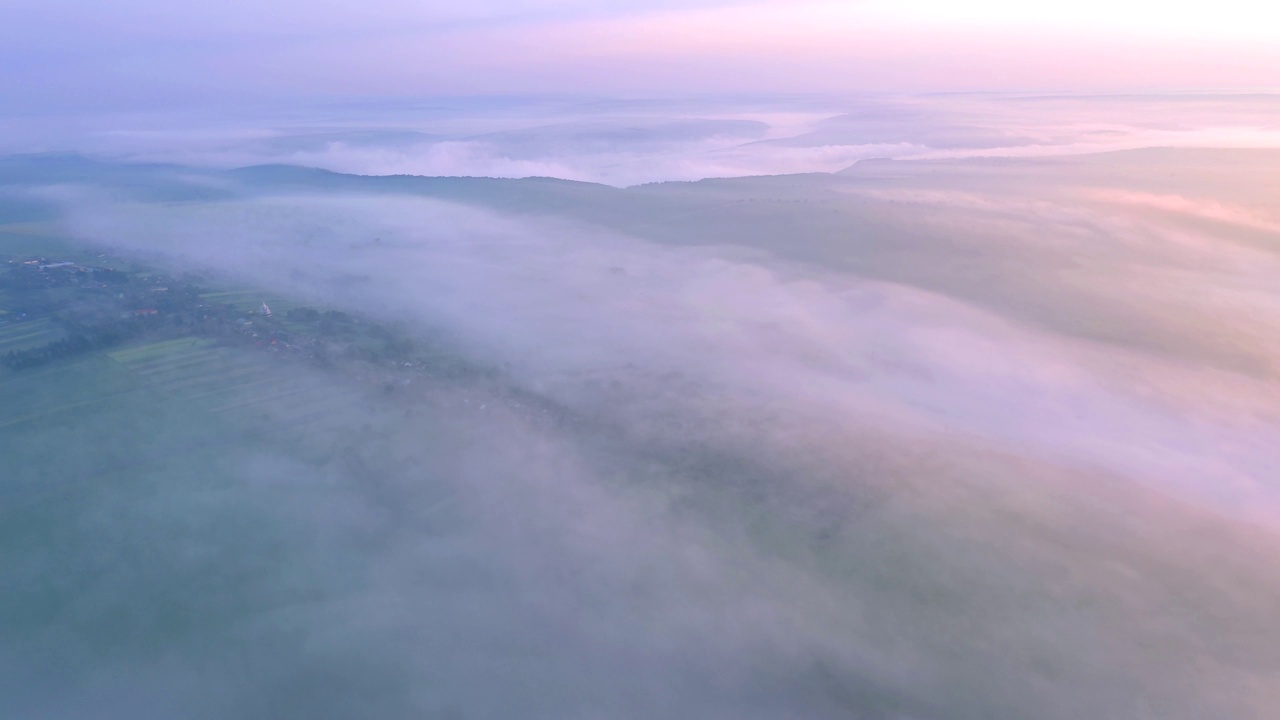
621, 143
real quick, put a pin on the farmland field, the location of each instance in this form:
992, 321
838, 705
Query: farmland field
26, 335
39, 239
129, 454
249, 300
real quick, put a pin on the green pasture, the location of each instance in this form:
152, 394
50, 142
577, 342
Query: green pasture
19, 336
37, 240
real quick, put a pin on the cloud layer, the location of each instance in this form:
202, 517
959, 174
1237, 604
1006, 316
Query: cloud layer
625, 143
941, 439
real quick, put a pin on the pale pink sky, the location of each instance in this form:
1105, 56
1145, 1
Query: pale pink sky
86, 52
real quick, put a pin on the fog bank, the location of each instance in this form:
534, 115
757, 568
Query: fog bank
938, 439
628, 142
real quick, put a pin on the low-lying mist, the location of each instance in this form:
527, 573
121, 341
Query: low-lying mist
629, 142
946, 439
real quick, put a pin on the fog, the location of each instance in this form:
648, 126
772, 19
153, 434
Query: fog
629, 142
639, 360
924, 438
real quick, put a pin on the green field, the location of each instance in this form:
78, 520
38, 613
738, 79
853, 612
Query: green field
235, 387
128, 454
18, 336
250, 300
246, 386
44, 241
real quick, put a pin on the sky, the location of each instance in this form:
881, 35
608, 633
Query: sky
80, 54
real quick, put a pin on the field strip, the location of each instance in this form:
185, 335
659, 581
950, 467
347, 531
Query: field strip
228, 293
218, 372
28, 333
41, 325
165, 347
176, 362
28, 344
128, 354
30, 377
30, 326
15, 339
269, 398
158, 359
232, 390
232, 298
67, 406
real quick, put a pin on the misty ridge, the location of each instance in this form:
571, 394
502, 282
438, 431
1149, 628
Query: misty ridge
910, 409
630, 142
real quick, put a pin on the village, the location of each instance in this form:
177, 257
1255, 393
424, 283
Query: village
80, 309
